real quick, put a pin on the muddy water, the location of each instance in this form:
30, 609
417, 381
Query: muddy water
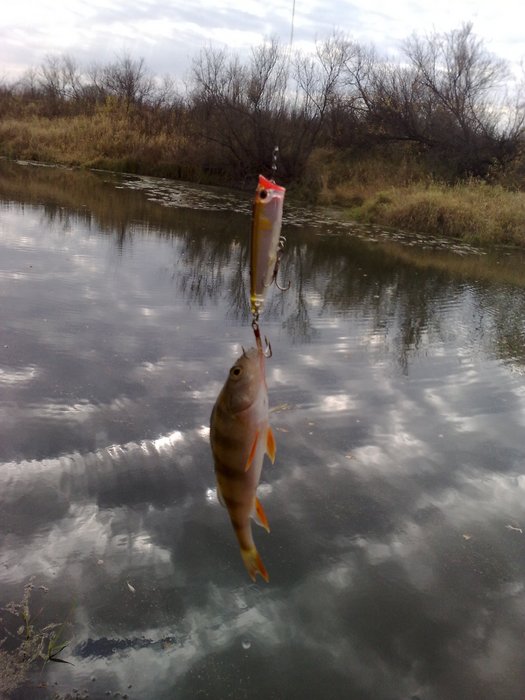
396, 504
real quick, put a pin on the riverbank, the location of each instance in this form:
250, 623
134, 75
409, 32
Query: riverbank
367, 187
109, 140
473, 211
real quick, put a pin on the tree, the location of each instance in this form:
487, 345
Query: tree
127, 79
60, 82
241, 108
248, 109
319, 84
461, 80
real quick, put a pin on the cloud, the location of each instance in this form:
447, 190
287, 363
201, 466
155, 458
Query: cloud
168, 35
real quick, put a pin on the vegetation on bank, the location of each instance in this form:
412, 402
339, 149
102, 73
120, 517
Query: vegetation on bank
473, 210
430, 142
26, 642
107, 139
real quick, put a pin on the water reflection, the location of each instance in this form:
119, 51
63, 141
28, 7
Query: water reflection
408, 285
397, 561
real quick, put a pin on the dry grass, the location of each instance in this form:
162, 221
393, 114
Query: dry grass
107, 139
396, 190
473, 211
344, 179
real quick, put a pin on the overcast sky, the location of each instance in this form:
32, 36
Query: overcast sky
167, 33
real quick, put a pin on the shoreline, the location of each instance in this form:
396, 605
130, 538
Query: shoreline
473, 212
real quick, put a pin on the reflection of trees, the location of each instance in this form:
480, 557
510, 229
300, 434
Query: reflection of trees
298, 319
239, 290
199, 272
402, 293
94, 199
506, 312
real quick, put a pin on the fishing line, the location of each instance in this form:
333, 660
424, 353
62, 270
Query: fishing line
292, 28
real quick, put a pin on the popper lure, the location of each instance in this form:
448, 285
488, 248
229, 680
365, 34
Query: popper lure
266, 242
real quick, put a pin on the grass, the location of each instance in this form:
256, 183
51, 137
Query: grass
25, 642
399, 192
108, 140
395, 189
472, 211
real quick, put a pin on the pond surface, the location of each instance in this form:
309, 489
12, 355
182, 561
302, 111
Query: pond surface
397, 501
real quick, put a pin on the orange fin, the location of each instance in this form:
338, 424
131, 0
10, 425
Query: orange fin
259, 515
252, 452
253, 563
270, 444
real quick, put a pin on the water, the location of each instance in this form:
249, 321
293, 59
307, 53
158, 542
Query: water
397, 551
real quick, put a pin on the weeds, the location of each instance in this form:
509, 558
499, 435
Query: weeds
29, 643
473, 210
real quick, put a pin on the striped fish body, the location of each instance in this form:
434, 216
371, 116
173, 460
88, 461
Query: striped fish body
266, 229
240, 436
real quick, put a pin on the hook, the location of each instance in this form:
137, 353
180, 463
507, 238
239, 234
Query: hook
282, 289
267, 351
280, 249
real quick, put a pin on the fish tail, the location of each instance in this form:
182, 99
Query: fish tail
253, 563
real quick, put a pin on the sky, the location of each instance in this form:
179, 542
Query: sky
169, 33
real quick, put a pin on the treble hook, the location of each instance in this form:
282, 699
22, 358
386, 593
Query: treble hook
267, 351
280, 249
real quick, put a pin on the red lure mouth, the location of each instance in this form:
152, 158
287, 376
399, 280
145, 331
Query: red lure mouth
265, 184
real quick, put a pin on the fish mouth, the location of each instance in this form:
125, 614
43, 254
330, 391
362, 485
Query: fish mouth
250, 354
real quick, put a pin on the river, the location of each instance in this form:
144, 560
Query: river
397, 500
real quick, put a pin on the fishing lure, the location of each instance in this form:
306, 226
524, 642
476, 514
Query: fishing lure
266, 242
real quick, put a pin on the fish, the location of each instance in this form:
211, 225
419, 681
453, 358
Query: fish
240, 436
265, 240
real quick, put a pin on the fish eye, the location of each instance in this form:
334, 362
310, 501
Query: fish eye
263, 194
235, 371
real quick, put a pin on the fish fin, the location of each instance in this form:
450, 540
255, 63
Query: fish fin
252, 452
253, 563
220, 497
259, 515
270, 444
